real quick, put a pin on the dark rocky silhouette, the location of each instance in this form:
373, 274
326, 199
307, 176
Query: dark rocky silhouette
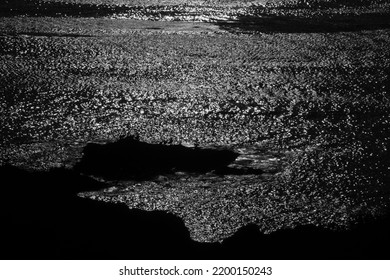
131, 159
42, 218
367, 240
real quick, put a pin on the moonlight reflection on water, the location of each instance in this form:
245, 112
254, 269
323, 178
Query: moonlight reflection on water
232, 119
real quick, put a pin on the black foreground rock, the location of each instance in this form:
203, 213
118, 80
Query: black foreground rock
42, 218
131, 159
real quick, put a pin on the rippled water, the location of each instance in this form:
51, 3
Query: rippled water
272, 123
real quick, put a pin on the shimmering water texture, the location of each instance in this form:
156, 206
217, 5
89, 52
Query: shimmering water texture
274, 118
